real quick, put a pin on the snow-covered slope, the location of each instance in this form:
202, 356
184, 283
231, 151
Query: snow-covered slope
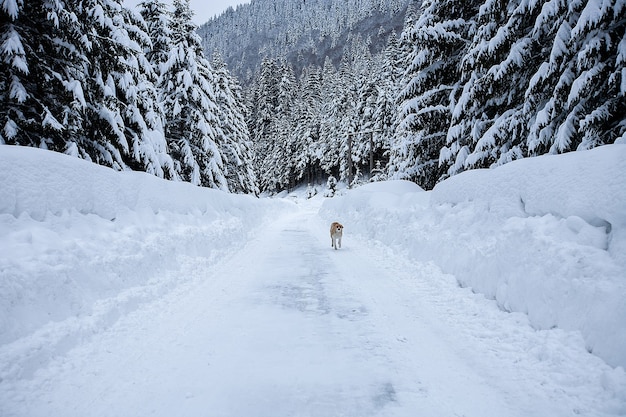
79, 239
545, 236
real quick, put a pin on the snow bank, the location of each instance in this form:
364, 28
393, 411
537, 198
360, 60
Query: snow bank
545, 236
589, 185
39, 182
81, 242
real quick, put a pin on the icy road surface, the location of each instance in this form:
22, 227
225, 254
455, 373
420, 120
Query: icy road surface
289, 327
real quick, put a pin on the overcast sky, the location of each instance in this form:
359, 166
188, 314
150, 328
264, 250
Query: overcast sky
203, 9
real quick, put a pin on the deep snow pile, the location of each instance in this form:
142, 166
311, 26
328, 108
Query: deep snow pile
81, 244
545, 236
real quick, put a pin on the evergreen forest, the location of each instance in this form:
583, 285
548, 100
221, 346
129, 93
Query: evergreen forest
277, 93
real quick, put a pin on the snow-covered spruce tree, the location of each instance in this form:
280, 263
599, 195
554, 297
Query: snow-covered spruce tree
142, 114
262, 121
306, 131
377, 83
327, 149
187, 85
157, 18
363, 143
81, 85
116, 93
576, 99
543, 106
275, 121
345, 118
41, 75
488, 126
387, 90
439, 39
236, 145
352, 101
279, 165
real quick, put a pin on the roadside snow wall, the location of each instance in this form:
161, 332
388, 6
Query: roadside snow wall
545, 236
81, 244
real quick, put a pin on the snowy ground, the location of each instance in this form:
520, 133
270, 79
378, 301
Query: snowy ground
153, 298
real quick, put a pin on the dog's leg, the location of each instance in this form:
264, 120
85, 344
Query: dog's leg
339, 242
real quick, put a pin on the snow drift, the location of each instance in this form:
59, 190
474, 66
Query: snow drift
81, 242
545, 236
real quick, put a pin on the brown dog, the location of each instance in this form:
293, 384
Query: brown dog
336, 231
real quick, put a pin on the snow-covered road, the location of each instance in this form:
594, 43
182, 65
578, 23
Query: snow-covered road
286, 326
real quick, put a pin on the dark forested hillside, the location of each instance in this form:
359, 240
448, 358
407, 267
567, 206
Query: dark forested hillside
302, 32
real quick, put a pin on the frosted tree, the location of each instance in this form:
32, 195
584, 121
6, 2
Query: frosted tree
281, 164
262, 122
346, 122
439, 40
79, 83
575, 99
188, 87
326, 150
41, 77
363, 145
157, 23
236, 145
111, 75
142, 114
307, 124
387, 90
157, 18
273, 120
489, 127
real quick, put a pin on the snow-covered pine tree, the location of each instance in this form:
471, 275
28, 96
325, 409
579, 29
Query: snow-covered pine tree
273, 111
187, 85
577, 96
41, 75
346, 122
387, 90
438, 38
79, 84
488, 126
327, 149
363, 144
280, 164
307, 124
157, 18
236, 143
142, 113
262, 121
354, 105
109, 76
553, 27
